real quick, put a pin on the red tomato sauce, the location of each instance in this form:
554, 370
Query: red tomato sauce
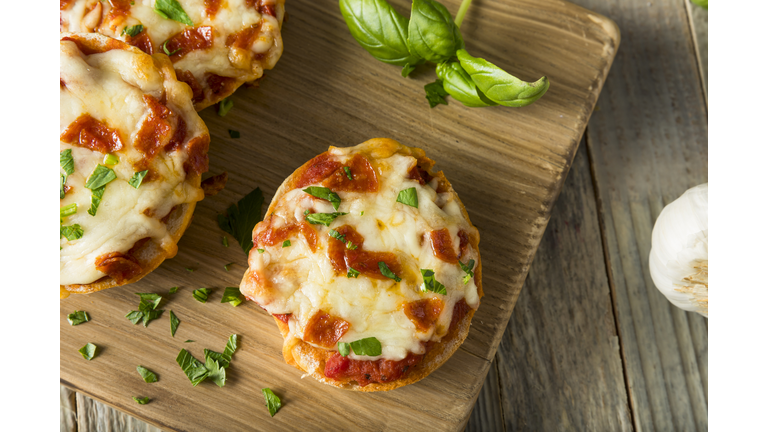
367, 263
90, 133
363, 177
442, 245
368, 371
325, 330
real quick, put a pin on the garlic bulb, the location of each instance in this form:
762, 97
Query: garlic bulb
679, 251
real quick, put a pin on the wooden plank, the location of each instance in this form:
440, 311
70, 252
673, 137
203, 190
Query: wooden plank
648, 144
95, 416
67, 410
699, 20
487, 414
327, 91
559, 361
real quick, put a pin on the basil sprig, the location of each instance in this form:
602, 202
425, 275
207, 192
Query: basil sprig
240, 218
171, 9
369, 346
431, 35
326, 194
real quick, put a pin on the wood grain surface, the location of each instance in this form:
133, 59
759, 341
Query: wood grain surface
508, 165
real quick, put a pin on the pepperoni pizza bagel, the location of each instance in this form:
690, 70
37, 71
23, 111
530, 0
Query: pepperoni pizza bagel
369, 265
132, 150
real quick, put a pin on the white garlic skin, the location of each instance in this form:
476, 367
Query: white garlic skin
679, 251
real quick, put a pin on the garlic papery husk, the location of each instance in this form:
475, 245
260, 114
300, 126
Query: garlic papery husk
679, 251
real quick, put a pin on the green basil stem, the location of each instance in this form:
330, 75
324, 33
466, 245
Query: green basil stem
462, 11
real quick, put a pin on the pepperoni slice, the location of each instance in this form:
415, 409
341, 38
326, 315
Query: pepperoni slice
119, 266
271, 236
423, 313
141, 41
189, 40
418, 174
363, 177
442, 245
155, 130
367, 263
212, 7
245, 37
282, 317
316, 170
92, 134
463, 243
197, 89
89, 49
324, 329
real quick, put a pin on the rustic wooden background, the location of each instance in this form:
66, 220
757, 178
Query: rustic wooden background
591, 344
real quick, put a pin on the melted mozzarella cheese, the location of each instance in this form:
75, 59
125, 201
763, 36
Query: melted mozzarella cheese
110, 87
304, 282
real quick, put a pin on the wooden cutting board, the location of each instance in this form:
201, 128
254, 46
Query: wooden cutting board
507, 164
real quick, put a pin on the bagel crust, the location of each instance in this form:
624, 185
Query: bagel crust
229, 42
124, 110
367, 242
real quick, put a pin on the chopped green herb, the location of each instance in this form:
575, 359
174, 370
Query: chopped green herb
273, 402
146, 374
68, 210
468, 270
175, 321
240, 218
216, 372
435, 93
165, 49
132, 31
348, 172
231, 296
195, 371
71, 232
171, 9
88, 351
151, 298
335, 234
430, 283
188, 341
344, 349
110, 159
352, 273
231, 347
351, 245
201, 294
100, 177
173, 290
147, 306
408, 197
66, 161
78, 317
61, 186
326, 194
225, 105
96, 195
141, 400
135, 316
189, 269
369, 346
224, 241
322, 218
150, 315
137, 178
234, 134
226, 266
362, 213
286, 243
260, 250
384, 269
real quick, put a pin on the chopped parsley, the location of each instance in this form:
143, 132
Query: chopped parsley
137, 178
351, 245
408, 197
225, 105
322, 218
175, 321
468, 270
326, 194
88, 351
348, 172
286, 243
146, 374
352, 273
384, 269
172, 10
335, 234
430, 283
78, 317
231, 296
240, 218
273, 402
132, 31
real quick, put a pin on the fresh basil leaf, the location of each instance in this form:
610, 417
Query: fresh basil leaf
350, 245
273, 402
146, 374
110, 159
175, 321
132, 31
322, 218
348, 171
459, 85
78, 317
96, 195
88, 351
188, 340
369, 346
430, 283
230, 349
384, 269
100, 177
378, 28
407, 69
324, 193
343, 349
135, 316
260, 250
468, 270
173, 290
151, 298
435, 93
352, 273
215, 372
335, 234
66, 161
195, 371
189, 269
225, 105
141, 400
68, 210
137, 178
217, 356
432, 34
171, 9
61, 186
231, 296
409, 197
201, 294
234, 134
71, 232
150, 315
500, 86
240, 218
286, 243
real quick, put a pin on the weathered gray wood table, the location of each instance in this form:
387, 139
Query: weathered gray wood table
591, 344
